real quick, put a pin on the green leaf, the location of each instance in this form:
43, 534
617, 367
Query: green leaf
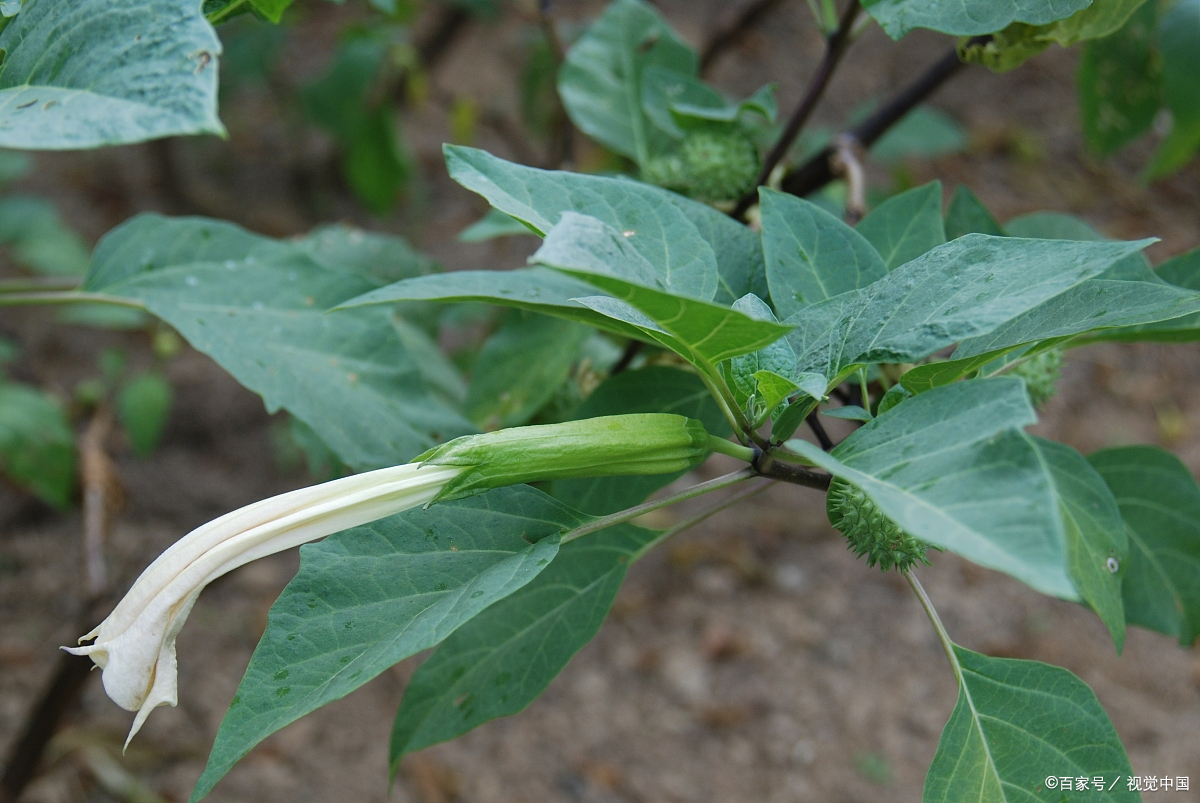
965, 17
1182, 270
656, 389
967, 215
1160, 503
37, 444
84, 75
965, 288
1096, 542
1120, 84
1017, 722
810, 254
501, 660
258, 307
379, 258
701, 332
923, 133
778, 358
1096, 305
341, 102
1051, 226
535, 289
271, 9
1179, 44
39, 239
851, 412
601, 78
675, 234
676, 102
520, 367
1018, 42
369, 597
906, 225
951, 467
492, 225
142, 406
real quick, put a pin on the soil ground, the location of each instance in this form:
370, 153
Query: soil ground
751, 659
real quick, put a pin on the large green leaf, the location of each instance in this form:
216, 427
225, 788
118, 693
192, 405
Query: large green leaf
1179, 44
907, 225
535, 289
369, 597
1182, 271
656, 389
1096, 542
601, 78
810, 254
258, 307
37, 446
501, 660
703, 333
965, 288
520, 367
966, 17
1120, 83
1160, 503
952, 467
967, 215
675, 234
1017, 723
83, 75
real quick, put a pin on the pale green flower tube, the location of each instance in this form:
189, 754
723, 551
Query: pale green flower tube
135, 645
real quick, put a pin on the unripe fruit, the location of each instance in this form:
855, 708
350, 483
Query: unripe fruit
869, 531
709, 166
1041, 375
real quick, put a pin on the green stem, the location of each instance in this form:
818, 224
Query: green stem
222, 13
722, 446
623, 516
699, 517
39, 284
862, 389
936, 620
65, 297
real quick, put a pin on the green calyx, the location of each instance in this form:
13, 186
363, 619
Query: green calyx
618, 445
709, 166
869, 531
1041, 374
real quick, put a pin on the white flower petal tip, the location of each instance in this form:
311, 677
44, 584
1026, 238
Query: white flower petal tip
135, 646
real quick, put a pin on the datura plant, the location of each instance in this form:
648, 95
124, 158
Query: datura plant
714, 298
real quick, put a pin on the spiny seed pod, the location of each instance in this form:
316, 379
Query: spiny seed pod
709, 166
1041, 375
869, 531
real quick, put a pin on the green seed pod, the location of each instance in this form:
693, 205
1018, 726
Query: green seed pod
869, 531
1041, 375
617, 445
709, 166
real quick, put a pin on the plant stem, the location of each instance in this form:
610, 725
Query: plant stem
729, 36
817, 171
848, 165
835, 47
769, 465
936, 620
623, 516
699, 517
722, 446
66, 297
38, 284
818, 429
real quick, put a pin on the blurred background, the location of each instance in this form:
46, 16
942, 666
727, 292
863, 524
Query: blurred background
750, 660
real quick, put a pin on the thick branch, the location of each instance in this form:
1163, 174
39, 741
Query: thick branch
835, 47
732, 33
818, 171
768, 466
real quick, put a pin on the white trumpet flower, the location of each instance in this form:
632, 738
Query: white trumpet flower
135, 645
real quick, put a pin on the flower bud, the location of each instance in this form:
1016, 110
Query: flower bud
617, 445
